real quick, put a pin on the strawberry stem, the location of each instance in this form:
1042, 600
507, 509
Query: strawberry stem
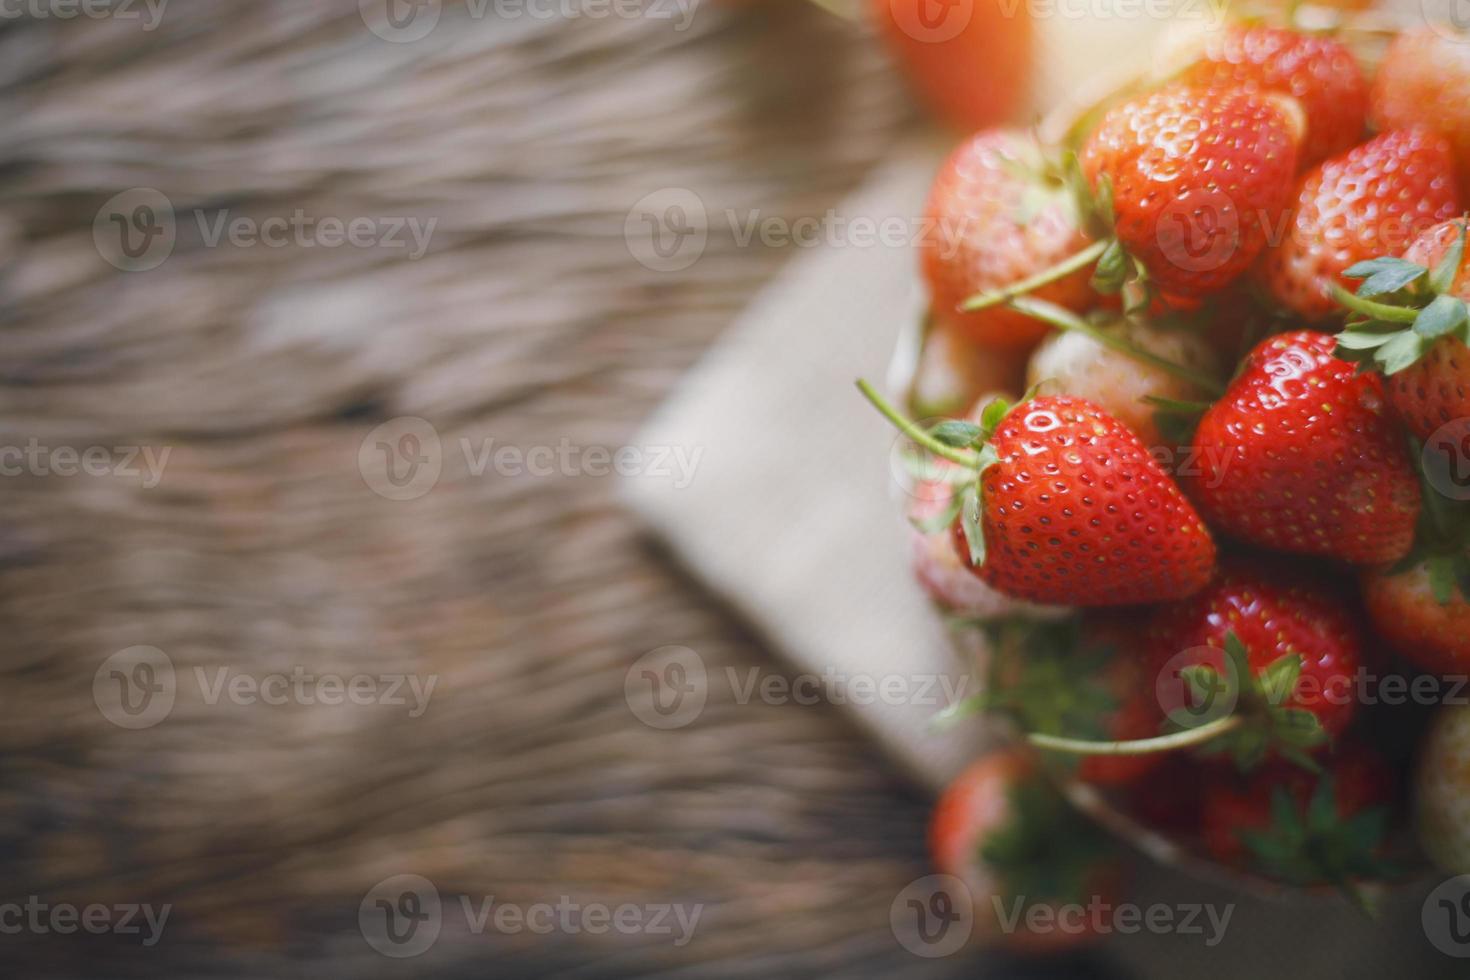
912, 430
1064, 319
1142, 746
1064, 268
1377, 311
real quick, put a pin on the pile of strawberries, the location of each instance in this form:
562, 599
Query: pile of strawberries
1219, 549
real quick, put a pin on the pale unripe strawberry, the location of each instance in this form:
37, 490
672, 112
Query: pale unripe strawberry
1075, 364
954, 371
1442, 790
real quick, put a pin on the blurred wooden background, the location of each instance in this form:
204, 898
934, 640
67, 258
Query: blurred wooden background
262, 370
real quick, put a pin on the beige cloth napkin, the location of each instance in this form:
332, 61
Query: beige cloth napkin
792, 518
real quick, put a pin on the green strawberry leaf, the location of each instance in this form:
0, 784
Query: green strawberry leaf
993, 414
956, 433
1046, 852
1357, 340
1440, 317
1386, 275
970, 523
1400, 352
1444, 274
1112, 269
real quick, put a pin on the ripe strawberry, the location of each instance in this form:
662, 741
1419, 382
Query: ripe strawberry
1286, 647
1073, 363
1424, 80
1196, 178
1423, 612
1442, 790
1300, 456
1318, 71
1005, 831
970, 61
1372, 200
1074, 511
994, 216
1435, 388
1301, 828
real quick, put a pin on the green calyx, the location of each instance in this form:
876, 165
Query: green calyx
1046, 852
961, 442
1401, 310
1315, 844
1270, 720
1441, 538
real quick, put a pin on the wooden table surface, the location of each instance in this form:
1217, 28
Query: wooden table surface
262, 548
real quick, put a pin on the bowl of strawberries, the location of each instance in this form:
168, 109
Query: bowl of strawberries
1188, 430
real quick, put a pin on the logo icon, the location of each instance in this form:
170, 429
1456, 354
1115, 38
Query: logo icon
932, 21
135, 688
1446, 459
667, 231
401, 459
1446, 917
401, 21
1197, 686
136, 231
933, 916
1447, 18
401, 916
667, 688
1198, 231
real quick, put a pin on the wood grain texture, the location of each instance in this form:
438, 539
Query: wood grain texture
263, 369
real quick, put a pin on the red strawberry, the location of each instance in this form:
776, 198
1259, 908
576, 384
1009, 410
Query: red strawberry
1372, 200
994, 217
1301, 828
1005, 831
1318, 71
1432, 631
1424, 80
1198, 177
970, 61
1074, 511
1435, 389
1300, 456
1298, 640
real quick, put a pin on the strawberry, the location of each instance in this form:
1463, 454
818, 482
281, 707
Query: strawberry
1281, 649
1194, 179
1074, 363
1424, 80
953, 371
1007, 833
1302, 828
1300, 456
1423, 612
1073, 510
1372, 200
1442, 790
994, 215
1411, 321
1318, 71
970, 61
